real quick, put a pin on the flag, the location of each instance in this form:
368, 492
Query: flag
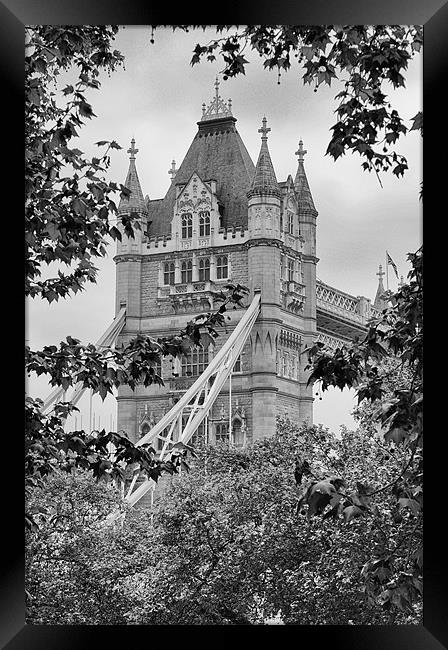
392, 263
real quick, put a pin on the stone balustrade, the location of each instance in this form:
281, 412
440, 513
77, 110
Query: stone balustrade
357, 309
330, 341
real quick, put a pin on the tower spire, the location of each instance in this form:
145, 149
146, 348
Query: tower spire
265, 180
135, 202
301, 182
380, 301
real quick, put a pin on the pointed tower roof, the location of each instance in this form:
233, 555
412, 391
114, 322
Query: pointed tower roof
216, 153
135, 201
380, 301
265, 180
301, 186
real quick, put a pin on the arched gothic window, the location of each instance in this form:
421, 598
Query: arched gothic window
285, 361
144, 429
168, 273
290, 223
221, 433
290, 269
204, 224
199, 436
204, 269
222, 267
187, 225
237, 367
186, 271
294, 368
282, 267
237, 435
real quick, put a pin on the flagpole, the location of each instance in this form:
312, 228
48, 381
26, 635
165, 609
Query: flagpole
387, 272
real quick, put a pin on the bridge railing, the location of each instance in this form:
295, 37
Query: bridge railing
329, 341
357, 309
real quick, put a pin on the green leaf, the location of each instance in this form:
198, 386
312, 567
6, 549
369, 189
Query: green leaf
115, 233
396, 434
412, 504
351, 512
417, 122
86, 110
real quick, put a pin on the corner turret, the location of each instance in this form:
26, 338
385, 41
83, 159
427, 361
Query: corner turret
130, 249
264, 194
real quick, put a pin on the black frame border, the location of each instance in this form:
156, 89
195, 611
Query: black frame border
433, 15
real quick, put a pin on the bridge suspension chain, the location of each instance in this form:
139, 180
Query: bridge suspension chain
184, 418
106, 340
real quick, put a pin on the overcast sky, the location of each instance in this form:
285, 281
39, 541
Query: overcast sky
157, 99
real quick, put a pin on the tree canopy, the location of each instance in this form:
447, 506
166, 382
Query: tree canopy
228, 544
366, 59
253, 506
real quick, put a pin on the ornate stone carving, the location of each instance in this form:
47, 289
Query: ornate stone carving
290, 339
262, 241
330, 341
217, 108
293, 295
124, 257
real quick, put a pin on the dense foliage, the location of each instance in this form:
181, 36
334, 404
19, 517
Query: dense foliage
386, 369
228, 544
70, 577
68, 203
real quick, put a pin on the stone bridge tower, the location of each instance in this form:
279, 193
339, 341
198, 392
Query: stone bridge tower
223, 219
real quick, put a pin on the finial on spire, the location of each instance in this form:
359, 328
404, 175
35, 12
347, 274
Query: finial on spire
132, 150
173, 171
264, 129
380, 272
300, 153
217, 88
217, 108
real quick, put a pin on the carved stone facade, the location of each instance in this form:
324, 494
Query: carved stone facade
224, 219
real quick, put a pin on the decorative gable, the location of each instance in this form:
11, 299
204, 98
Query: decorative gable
196, 214
194, 195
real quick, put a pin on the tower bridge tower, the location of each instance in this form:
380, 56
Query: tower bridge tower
222, 219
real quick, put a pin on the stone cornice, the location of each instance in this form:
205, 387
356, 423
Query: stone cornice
128, 257
310, 258
263, 241
219, 249
264, 191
